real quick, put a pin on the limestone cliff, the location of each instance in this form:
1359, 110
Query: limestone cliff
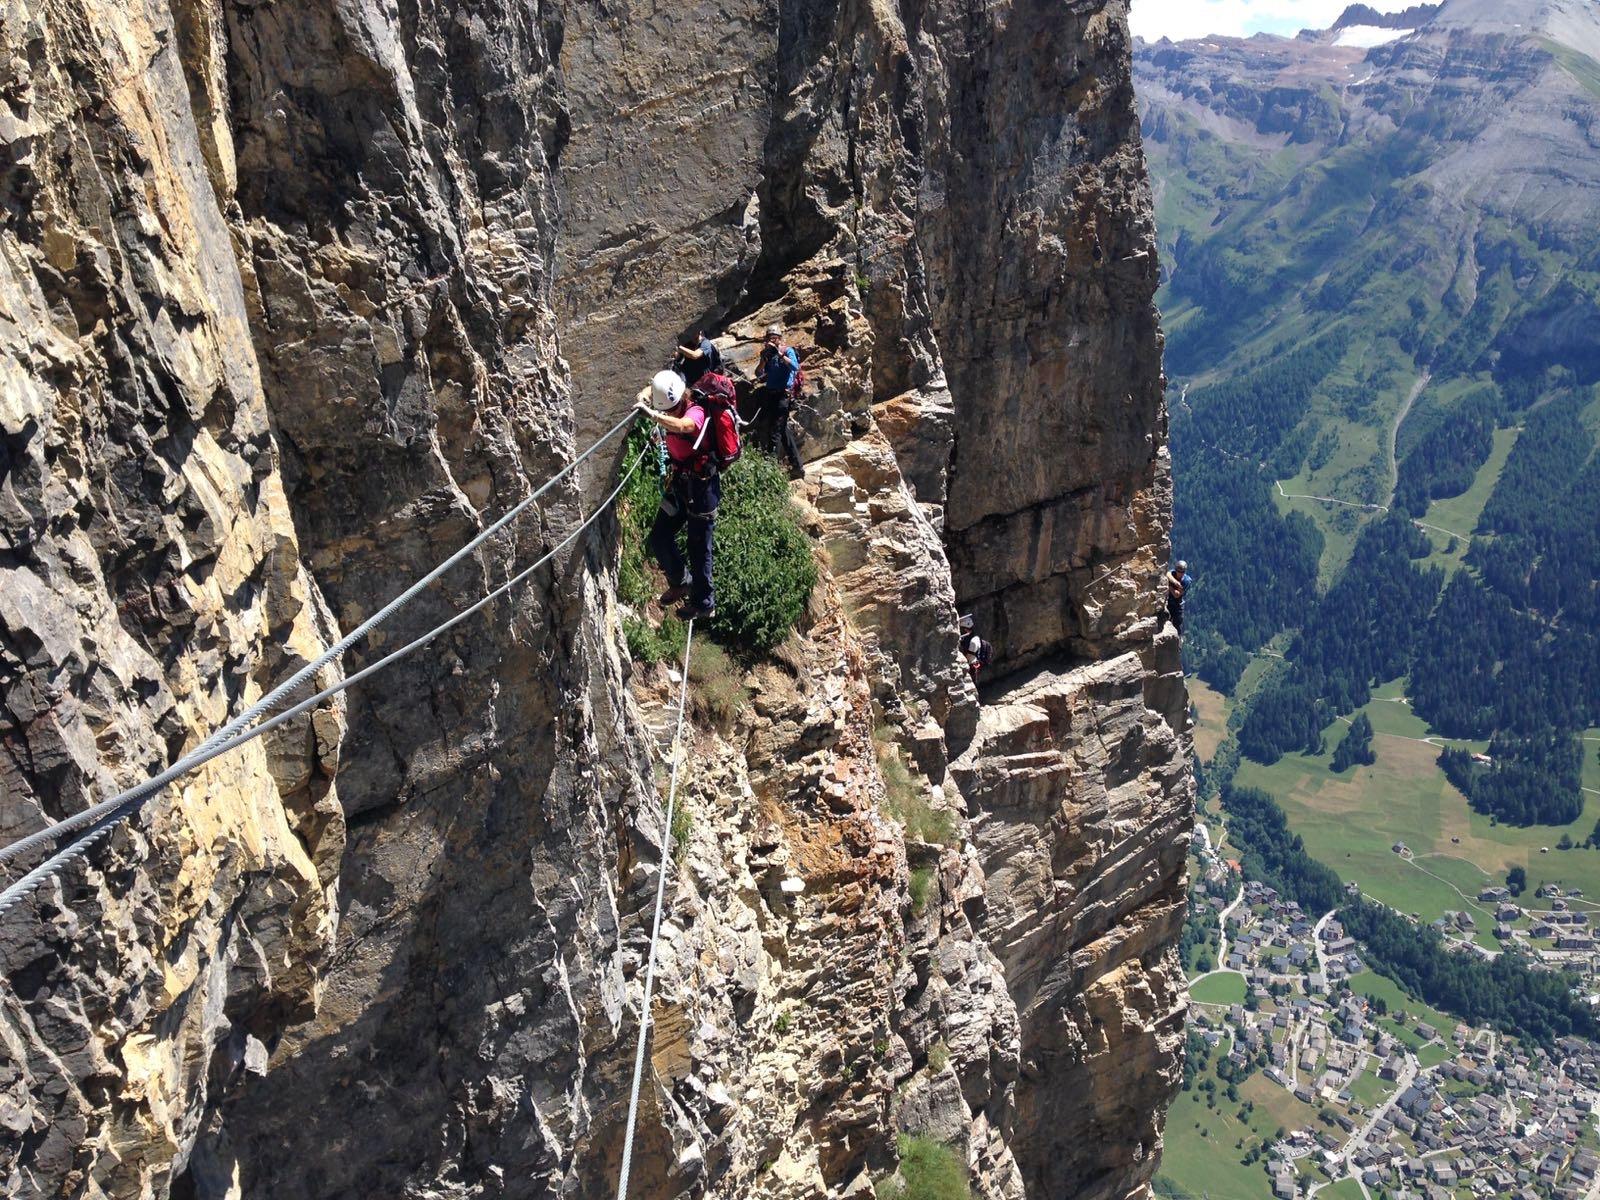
297, 296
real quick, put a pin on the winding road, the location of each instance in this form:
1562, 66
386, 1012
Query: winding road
1222, 942
1316, 945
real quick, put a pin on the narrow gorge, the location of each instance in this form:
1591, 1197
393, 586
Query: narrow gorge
295, 298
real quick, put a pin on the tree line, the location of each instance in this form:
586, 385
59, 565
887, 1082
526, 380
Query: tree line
1529, 780
1364, 631
1355, 748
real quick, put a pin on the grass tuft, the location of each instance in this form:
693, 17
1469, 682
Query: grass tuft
921, 887
649, 644
907, 802
717, 685
682, 827
929, 1170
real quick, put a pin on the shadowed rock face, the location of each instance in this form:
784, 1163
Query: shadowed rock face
291, 295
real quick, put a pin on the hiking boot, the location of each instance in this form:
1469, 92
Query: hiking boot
674, 594
690, 612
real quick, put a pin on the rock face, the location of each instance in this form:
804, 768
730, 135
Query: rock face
291, 295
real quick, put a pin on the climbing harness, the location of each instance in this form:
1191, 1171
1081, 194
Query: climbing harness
655, 926
102, 818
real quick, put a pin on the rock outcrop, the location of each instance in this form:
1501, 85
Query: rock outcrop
296, 297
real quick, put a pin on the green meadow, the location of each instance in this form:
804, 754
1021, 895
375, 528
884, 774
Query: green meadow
1201, 1146
1226, 988
1352, 821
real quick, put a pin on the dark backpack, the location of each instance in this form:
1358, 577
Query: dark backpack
720, 447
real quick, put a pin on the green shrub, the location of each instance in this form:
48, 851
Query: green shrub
921, 886
717, 690
929, 1170
648, 644
682, 826
636, 513
764, 570
938, 1056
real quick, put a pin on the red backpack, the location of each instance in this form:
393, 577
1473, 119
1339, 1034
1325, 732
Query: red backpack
797, 381
720, 448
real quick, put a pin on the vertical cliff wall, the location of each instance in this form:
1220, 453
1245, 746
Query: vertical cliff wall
296, 296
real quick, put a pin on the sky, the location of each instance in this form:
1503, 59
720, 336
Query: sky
1178, 19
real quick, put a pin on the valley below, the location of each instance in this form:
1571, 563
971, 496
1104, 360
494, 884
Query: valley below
1386, 485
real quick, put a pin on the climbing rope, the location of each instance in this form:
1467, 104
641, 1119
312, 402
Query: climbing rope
272, 699
655, 927
106, 816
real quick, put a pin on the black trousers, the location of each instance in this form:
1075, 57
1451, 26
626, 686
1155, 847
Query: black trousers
1175, 613
693, 503
776, 402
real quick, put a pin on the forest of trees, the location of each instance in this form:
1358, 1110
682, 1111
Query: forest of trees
1535, 779
1503, 993
1482, 664
1361, 633
1517, 649
1274, 854
1447, 459
1258, 567
1355, 748
1251, 413
1257, 570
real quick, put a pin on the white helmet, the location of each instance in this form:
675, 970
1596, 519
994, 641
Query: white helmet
666, 391
1182, 566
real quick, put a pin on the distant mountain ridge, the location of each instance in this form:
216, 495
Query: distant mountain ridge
1361, 14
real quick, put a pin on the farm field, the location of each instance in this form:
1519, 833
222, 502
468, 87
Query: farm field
1370, 1090
1211, 709
1352, 821
1201, 1144
1345, 1189
1434, 1054
1459, 514
1227, 988
1381, 987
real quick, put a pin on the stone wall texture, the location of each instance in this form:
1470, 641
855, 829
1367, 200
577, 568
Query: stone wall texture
295, 297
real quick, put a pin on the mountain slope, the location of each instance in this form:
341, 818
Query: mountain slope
1376, 258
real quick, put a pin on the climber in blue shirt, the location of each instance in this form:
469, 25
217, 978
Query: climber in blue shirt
1179, 581
779, 371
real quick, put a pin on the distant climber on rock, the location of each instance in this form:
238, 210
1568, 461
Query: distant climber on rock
974, 649
696, 355
692, 493
1179, 581
778, 373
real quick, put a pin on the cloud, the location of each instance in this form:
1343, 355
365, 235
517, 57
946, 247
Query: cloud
1179, 19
